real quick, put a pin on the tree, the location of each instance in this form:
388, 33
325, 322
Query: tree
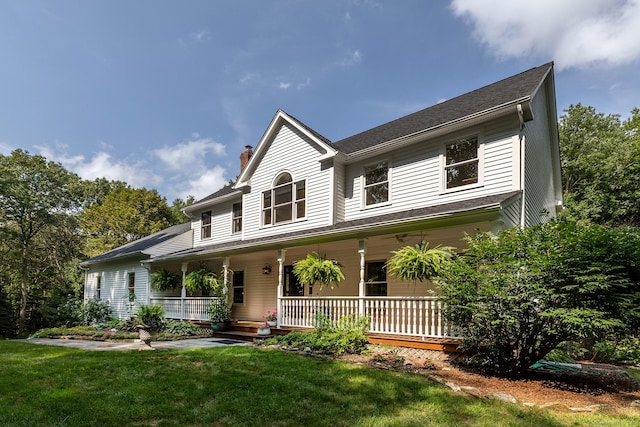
176, 208
600, 166
37, 201
517, 296
124, 215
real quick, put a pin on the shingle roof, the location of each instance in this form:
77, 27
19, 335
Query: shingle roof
503, 92
341, 228
140, 245
226, 190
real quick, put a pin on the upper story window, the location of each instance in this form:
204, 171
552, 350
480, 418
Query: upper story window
376, 184
285, 202
205, 227
237, 218
462, 163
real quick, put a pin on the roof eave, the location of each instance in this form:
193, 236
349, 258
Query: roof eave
447, 127
197, 206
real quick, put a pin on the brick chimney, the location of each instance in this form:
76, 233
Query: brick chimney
245, 156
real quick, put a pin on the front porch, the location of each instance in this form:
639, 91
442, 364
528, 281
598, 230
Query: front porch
401, 316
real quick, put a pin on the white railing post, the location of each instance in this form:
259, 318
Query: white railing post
183, 291
362, 250
279, 292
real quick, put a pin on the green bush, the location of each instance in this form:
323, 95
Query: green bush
176, 327
626, 350
349, 335
70, 312
96, 312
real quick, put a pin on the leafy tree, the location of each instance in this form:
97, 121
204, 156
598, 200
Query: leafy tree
516, 296
37, 199
125, 214
176, 208
600, 166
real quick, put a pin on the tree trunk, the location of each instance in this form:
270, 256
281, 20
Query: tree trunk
22, 317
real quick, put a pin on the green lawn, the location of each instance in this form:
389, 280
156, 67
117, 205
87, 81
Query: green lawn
234, 386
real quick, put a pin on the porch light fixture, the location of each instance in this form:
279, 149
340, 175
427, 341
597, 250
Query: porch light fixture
266, 269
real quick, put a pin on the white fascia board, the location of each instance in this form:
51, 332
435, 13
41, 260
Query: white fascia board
244, 180
444, 128
197, 206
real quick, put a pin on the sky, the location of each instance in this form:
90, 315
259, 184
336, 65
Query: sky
165, 94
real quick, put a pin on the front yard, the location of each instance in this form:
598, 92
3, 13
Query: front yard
43, 385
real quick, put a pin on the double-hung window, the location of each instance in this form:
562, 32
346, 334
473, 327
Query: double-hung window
238, 287
98, 286
205, 228
285, 202
462, 163
376, 184
376, 278
132, 285
237, 218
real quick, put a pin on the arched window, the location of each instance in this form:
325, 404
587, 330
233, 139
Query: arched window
285, 202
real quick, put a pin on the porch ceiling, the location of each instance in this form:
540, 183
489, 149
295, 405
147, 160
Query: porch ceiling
460, 215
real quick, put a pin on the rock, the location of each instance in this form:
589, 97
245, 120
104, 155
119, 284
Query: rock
635, 404
453, 386
600, 407
437, 379
581, 410
307, 350
504, 397
473, 391
555, 406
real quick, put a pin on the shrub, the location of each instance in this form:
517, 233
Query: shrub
70, 312
347, 336
181, 328
151, 317
218, 311
96, 312
515, 297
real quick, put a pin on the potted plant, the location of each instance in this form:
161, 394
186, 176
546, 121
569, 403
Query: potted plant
150, 321
165, 280
419, 262
220, 314
271, 318
264, 329
318, 269
203, 280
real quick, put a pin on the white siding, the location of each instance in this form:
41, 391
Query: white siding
539, 183
178, 243
293, 152
115, 285
416, 172
221, 219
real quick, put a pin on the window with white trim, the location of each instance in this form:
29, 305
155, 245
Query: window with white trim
98, 286
285, 202
461, 163
237, 281
132, 285
205, 227
376, 184
237, 218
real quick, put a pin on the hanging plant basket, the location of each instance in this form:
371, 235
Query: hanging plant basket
318, 269
419, 262
203, 280
165, 280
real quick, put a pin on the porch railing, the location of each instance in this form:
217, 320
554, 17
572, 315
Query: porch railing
188, 308
414, 316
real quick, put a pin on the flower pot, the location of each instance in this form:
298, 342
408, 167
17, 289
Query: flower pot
272, 323
264, 331
148, 335
219, 326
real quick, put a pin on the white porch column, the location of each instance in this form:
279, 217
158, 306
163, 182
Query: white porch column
361, 288
280, 292
183, 292
225, 267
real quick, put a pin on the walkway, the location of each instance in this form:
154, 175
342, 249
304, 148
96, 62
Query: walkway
136, 345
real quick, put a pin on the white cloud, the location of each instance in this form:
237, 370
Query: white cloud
103, 165
206, 183
304, 84
574, 33
200, 36
351, 59
189, 154
5, 149
284, 86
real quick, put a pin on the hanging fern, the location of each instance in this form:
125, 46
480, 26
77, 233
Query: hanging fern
419, 263
164, 280
203, 280
318, 269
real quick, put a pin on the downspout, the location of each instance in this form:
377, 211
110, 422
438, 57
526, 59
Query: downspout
523, 217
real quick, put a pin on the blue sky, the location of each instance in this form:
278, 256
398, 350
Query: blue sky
165, 94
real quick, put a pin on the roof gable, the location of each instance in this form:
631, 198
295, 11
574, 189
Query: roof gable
279, 120
518, 88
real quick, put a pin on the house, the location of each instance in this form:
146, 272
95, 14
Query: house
488, 159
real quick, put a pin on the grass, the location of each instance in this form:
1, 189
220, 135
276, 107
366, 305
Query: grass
234, 386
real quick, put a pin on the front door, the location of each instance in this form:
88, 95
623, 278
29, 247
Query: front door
292, 288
